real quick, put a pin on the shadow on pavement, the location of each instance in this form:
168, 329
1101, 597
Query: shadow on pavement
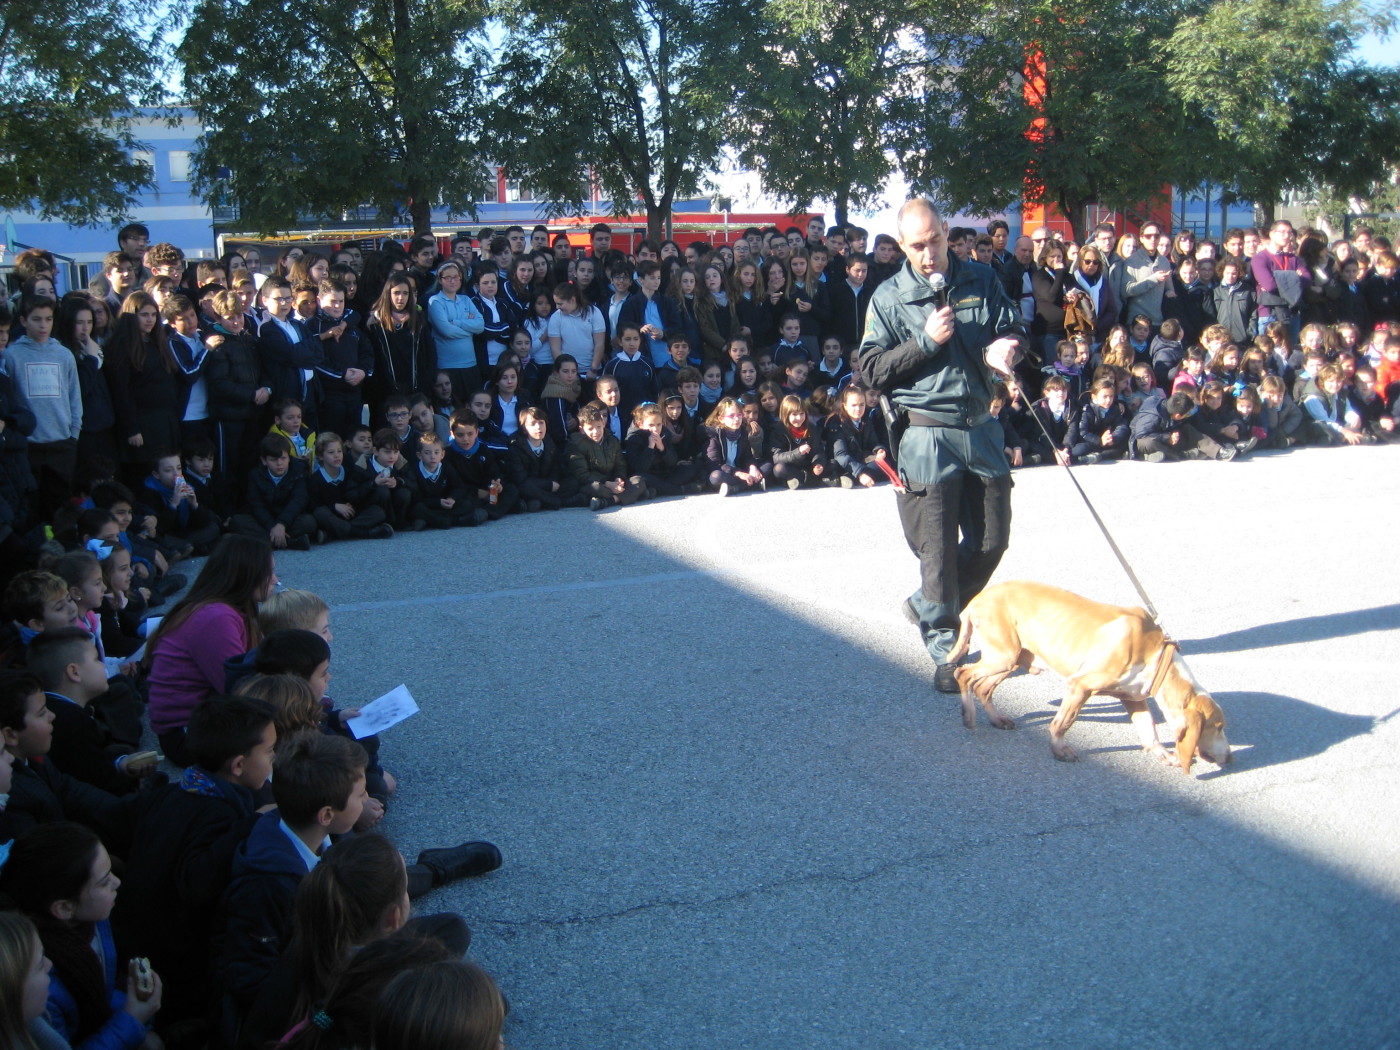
1293, 632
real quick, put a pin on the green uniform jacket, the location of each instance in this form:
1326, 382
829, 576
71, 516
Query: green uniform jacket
952, 382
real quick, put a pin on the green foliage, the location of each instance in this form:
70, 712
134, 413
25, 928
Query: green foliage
71, 72
1113, 135
633, 92
313, 109
826, 82
1290, 109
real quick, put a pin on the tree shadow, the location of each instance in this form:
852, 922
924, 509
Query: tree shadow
1293, 632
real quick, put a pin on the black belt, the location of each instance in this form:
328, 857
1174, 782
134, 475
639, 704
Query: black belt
921, 419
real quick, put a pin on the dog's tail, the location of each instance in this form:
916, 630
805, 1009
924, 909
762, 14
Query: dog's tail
964, 638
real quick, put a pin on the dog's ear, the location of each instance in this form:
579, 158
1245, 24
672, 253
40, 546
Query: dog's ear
1189, 735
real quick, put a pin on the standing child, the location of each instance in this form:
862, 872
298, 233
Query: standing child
631, 369
47, 376
832, 368
347, 359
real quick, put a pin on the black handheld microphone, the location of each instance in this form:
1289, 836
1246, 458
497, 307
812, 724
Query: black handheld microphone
939, 284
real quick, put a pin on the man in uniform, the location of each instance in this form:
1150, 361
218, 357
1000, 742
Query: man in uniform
938, 334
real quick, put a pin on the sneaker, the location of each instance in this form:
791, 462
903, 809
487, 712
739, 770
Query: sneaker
847, 482
1035, 459
599, 503
460, 862
909, 611
1227, 453
320, 537
1243, 447
723, 489
794, 483
945, 679
299, 543
1155, 457
381, 532
1091, 457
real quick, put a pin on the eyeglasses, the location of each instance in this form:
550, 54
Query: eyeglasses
281, 298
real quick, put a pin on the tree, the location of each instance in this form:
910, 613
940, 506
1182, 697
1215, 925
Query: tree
72, 72
634, 94
828, 81
1289, 107
314, 109
1092, 124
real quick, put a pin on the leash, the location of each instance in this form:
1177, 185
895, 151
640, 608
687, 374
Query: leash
1108, 536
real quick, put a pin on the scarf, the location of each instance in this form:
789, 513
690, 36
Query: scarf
555, 386
196, 781
800, 435
1094, 288
721, 298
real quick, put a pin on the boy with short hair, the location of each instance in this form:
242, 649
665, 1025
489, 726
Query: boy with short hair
392, 490
678, 346
631, 369
46, 374
597, 462
34, 601
209, 488
1234, 301
40, 793
341, 495
289, 355
277, 498
535, 467
348, 359
178, 512
185, 836
71, 670
1285, 421
188, 349
440, 498
478, 468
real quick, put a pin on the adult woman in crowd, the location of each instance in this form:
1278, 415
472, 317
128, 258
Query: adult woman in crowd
456, 322
1090, 277
1183, 247
1048, 284
214, 622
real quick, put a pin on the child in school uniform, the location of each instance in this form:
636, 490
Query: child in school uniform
479, 468
796, 447
341, 497
652, 457
440, 496
1099, 431
729, 457
391, 488
1055, 413
631, 368
596, 461
536, 467
852, 445
277, 498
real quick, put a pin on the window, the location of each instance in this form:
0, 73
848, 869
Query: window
179, 165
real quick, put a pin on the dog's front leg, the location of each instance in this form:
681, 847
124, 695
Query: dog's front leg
1141, 716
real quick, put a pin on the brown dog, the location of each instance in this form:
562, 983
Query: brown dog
1098, 649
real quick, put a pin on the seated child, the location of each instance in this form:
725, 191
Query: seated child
851, 446
177, 508
1218, 419
597, 463
1249, 406
40, 793
682, 428
185, 836
286, 422
68, 666
1013, 444
1286, 423
277, 499
210, 488
1100, 431
1381, 422
653, 459
796, 447
34, 602
479, 405
832, 369
391, 490
440, 497
360, 447
730, 466
795, 373
1054, 415
1164, 434
536, 467
1335, 420
341, 496
60, 875
478, 468
123, 611
1145, 388
151, 567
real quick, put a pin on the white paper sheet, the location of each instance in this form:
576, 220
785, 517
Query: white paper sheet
378, 715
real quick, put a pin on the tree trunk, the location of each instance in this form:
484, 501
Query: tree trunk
422, 212
1073, 208
842, 203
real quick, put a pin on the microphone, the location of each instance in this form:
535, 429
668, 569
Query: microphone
939, 284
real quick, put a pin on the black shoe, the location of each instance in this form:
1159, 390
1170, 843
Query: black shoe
532, 505
320, 536
418, 525
1227, 453
1091, 457
599, 503
460, 862
945, 679
381, 532
910, 613
1243, 447
480, 516
299, 543
693, 489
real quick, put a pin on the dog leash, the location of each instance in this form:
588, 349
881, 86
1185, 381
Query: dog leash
1108, 536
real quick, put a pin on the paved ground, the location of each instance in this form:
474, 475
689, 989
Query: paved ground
735, 814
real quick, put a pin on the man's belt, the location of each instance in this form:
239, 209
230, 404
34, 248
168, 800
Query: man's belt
921, 419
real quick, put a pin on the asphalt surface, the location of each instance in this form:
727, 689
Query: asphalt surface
735, 814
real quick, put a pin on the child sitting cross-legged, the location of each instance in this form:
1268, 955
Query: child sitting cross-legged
341, 495
277, 498
596, 461
440, 496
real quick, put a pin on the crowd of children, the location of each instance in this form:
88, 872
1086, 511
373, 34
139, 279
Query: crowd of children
242, 900
212, 410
